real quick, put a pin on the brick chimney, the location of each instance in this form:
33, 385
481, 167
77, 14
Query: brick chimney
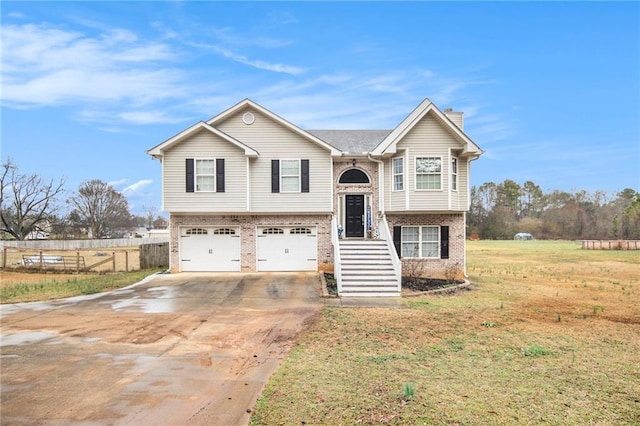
456, 117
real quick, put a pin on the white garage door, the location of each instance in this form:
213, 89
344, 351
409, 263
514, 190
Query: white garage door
287, 248
210, 249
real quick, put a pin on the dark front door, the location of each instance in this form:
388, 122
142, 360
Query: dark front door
355, 216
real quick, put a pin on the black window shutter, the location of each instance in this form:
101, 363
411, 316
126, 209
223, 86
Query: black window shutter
397, 239
304, 175
275, 175
444, 242
220, 175
190, 175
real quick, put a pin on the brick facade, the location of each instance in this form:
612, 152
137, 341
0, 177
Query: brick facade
248, 225
371, 188
439, 268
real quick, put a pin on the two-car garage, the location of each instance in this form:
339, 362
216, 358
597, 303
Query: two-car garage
220, 249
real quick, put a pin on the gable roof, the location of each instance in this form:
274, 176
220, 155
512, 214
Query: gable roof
249, 103
352, 141
388, 145
158, 150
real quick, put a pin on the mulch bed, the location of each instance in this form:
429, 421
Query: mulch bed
426, 284
420, 284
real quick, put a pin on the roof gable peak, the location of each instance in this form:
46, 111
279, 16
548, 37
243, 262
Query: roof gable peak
249, 103
389, 144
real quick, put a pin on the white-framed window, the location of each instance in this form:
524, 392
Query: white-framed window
300, 231
428, 173
196, 231
224, 231
421, 241
272, 231
289, 175
454, 174
205, 175
398, 173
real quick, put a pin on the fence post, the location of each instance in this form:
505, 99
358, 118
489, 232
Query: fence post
4, 259
41, 260
114, 261
78, 261
126, 261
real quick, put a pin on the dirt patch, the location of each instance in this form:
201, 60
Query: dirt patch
126, 259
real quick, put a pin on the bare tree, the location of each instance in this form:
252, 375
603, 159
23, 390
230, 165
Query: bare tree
150, 213
160, 223
26, 201
101, 208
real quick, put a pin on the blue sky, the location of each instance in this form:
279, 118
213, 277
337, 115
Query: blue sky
549, 90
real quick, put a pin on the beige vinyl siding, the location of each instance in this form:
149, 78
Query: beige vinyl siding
395, 200
275, 142
428, 138
204, 145
459, 198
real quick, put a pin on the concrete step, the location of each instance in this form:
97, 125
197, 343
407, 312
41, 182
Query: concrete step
370, 269
367, 269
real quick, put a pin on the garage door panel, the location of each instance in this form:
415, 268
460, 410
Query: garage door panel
210, 250
290, 250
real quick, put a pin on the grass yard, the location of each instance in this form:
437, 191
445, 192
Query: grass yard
33, 286
549, 334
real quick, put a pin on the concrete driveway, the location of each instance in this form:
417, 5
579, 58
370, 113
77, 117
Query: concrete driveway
177, 349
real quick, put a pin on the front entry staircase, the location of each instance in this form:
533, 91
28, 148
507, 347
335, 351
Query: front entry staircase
367, 269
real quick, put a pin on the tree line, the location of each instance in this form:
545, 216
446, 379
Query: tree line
500, 210
31, 206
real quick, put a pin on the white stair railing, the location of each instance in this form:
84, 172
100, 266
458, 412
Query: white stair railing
337, 263
385, 235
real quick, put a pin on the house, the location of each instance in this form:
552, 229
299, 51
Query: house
249, 191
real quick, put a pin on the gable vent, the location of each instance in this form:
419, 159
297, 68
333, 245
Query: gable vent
248, 118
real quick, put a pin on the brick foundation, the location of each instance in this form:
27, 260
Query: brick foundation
439, 268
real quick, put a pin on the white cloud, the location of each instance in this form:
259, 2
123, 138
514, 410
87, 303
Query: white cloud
263, 65
227, 36
118, 182
150, 117
44, 66
136, 187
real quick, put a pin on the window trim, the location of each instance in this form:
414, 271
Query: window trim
196, 174
299, 175
421, 241
454, 173
415, 172
394, 174
273, 230
224, 231
196, 231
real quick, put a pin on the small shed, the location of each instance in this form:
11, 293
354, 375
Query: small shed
523, 236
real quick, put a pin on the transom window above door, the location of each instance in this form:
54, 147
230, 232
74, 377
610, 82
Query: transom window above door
354, 176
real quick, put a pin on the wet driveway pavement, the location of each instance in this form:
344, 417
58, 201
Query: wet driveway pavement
175, 349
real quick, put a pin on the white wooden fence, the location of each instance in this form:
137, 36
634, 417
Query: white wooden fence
82, 244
